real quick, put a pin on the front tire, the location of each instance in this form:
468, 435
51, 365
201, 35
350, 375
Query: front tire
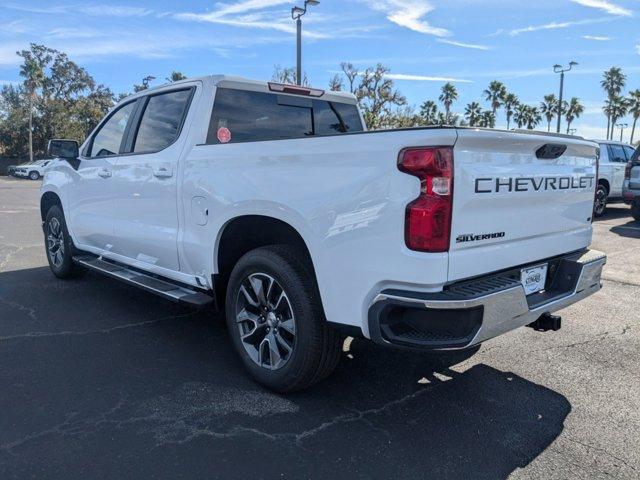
58, 245
600, 204
34, 175
276, 321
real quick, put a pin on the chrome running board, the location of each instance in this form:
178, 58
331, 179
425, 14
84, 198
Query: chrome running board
162, 287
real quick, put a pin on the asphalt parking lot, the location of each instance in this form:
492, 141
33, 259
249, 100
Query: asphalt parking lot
98, 380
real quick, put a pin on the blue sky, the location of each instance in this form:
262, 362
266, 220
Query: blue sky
424, 43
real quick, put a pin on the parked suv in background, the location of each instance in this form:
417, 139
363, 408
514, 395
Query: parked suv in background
631, 186
33, 171
614, 157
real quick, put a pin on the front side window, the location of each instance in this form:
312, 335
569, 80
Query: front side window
161, 121
109, 138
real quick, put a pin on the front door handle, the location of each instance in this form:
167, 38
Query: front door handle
163, 172
104, 173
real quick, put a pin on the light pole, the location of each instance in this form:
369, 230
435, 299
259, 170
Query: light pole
296, 14
622, 126
562, 70
572, 131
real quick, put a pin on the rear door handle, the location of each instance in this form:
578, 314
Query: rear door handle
104, 173
163, 172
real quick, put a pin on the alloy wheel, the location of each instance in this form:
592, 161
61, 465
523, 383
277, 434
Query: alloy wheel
265, 321
601, 202
55, 242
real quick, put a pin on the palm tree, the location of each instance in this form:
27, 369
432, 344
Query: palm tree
549, 108
33, 78
613, 81
429, 112
533, 118
634, 110
574, 110
473, 114
495, 94
447, 97
520, 114
488, 119
618, 109
510, 103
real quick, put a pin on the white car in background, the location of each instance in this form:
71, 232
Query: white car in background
33, 171
614, 157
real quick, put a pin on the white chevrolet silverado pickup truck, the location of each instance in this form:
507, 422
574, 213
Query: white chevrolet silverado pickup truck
273, 203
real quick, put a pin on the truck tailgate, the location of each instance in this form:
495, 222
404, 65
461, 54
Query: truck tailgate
511, 207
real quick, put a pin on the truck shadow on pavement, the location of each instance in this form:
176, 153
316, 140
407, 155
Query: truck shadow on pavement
104, 381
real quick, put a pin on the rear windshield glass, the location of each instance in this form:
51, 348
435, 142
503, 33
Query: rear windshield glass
244, 116
636, 156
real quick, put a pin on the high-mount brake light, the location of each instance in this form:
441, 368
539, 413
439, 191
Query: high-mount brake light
295, 89
428, 217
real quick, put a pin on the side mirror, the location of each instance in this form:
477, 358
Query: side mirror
65, 149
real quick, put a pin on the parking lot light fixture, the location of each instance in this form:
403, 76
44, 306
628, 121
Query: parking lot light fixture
296, 14
622, 126
562, 70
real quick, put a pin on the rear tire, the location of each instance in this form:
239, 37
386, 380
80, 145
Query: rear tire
276, 321
600, 204
34, 175
58, 245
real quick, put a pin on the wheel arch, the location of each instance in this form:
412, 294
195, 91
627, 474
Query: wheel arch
48, 200
244, 233
605, 183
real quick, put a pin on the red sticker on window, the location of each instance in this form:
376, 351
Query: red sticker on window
224, 135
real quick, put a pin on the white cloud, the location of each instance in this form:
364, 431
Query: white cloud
114, 11
409, 14
556, 25
464, 45
638, 48
605, 6
95, 10
250, 14
423, 78
596, 38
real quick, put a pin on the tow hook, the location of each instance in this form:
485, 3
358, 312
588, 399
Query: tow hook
546, 323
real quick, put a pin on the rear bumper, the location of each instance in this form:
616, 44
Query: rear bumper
471, 312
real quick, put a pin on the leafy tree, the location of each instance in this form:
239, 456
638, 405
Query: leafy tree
447, 97
145, 83
510, 104
351, 74
401, 117
335, 83
634, 110
613, 82
473, 113
429, 113
527, 116
176, 76
287, 75
574, 110
549, 108
57, 99
495, 94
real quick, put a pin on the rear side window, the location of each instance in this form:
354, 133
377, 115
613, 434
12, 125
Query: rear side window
162, 121
616, 154
243, 116
109, 138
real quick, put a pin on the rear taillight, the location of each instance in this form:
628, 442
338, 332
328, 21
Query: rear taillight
428, 217
627, 170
